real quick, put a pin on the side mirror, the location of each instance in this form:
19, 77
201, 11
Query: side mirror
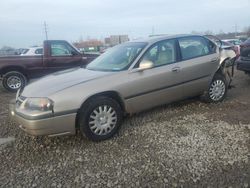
146, 64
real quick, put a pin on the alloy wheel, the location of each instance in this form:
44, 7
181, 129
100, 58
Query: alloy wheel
102, 120
217, 90
14, 82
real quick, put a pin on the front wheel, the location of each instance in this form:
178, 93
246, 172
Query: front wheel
217, 89
12, 81
100, 118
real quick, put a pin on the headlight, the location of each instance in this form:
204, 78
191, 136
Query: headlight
37, 104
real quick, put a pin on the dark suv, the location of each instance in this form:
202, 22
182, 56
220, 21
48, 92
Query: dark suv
243, 63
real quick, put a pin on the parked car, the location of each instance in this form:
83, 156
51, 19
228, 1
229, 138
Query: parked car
33, 51
126, 79
236, 45
233, 41
15, 71
243, 63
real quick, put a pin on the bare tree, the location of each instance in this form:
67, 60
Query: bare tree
88, 43
195, 32
208, 32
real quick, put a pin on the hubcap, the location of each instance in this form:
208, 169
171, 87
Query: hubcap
14, 82
217, 90
102, 120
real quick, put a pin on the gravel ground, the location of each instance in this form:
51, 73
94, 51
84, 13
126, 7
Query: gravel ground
186, 144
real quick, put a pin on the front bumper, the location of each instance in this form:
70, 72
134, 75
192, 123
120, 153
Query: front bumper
243, 65
53, 126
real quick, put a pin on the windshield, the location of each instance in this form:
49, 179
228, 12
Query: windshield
117, 58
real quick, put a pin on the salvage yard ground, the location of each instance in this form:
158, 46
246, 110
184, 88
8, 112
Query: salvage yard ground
186, 144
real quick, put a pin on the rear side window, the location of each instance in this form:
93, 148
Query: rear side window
39, 51
192, 47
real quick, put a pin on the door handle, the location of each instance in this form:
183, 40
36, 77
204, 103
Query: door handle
176, 69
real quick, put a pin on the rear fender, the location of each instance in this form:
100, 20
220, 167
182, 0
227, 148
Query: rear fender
226, 54
227, 69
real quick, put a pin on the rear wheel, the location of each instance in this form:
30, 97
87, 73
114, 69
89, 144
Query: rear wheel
100, 118
12, 81
217, 89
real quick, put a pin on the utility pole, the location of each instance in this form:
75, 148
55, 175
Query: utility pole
236, 29
153, 30
46, 30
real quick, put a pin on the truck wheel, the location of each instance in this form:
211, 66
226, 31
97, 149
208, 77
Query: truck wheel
100, 118
217, 89
12, 81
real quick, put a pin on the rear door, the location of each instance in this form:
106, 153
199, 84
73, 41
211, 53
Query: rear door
62, 56
199, 61
156, 86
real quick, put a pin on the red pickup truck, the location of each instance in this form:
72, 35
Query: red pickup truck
16, 71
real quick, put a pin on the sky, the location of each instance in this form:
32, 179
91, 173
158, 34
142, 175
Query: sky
21, 21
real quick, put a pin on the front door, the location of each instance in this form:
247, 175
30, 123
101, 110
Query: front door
158, 85
62, 56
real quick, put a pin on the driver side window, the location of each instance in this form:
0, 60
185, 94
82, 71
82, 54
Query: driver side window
60, 49
162, 53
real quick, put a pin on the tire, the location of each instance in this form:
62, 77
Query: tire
217, 90
100, 118
12, 81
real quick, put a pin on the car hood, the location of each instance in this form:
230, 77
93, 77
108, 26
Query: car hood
59, 81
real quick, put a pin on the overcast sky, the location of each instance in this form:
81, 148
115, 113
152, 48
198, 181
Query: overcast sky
21, 21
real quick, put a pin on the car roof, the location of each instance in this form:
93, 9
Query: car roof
154, 39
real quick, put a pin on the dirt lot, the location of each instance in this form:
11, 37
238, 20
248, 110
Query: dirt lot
186, 144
